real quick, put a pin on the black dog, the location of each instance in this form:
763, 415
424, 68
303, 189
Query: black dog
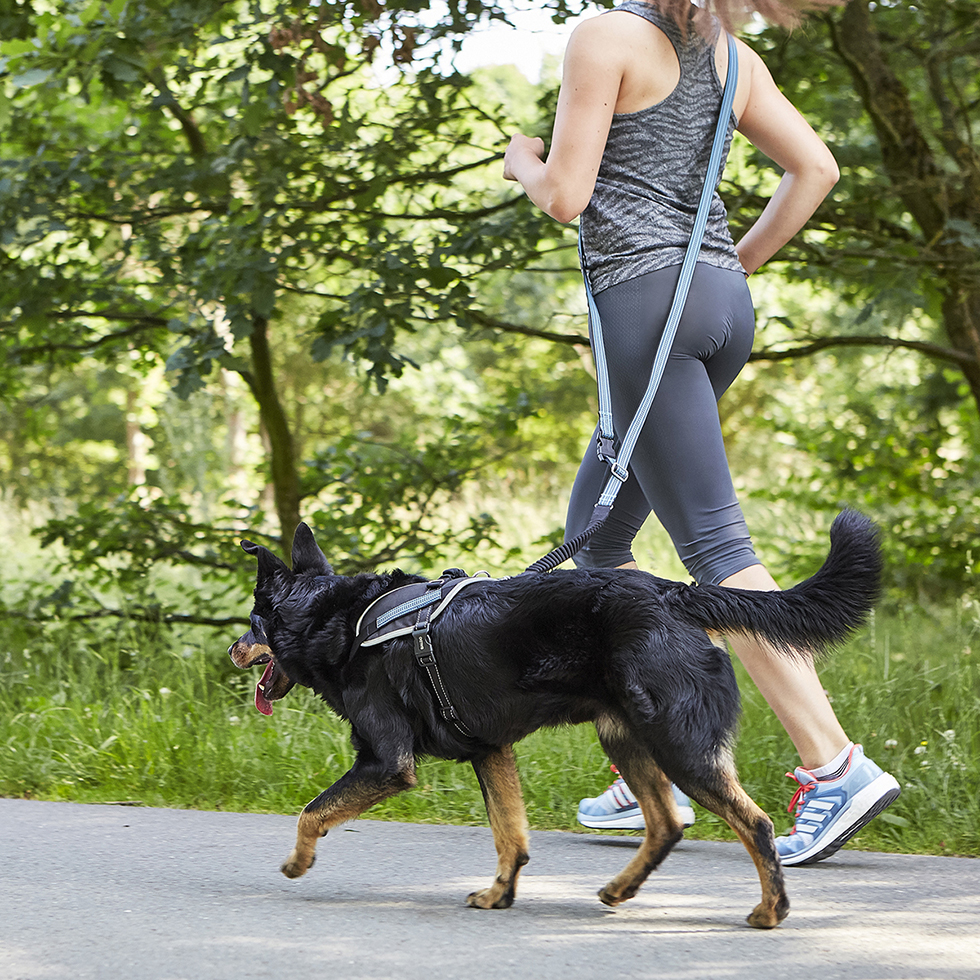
622, 649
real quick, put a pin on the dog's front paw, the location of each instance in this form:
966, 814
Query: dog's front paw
767, 917
296, 865
495, 897
608, 898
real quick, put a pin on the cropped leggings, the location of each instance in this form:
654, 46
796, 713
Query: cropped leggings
678, 469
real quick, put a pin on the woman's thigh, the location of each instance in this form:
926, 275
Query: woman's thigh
679, 468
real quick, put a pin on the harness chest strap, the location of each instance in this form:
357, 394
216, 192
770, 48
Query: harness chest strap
425, 657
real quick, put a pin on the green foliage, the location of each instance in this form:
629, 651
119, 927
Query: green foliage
893, 88
906, 455
394, 498
220, 189
202, 162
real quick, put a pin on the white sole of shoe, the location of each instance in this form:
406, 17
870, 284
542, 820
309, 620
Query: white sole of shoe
860, 810
687, 815
631, 822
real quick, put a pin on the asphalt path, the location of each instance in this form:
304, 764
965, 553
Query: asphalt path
108, 892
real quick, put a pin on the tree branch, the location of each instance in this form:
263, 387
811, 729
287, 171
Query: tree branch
935, 351
192, 132
166, 619
143, 323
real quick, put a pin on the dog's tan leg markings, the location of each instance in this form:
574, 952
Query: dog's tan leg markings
716, 788
664, 827
754, 829
501, 787
348, 798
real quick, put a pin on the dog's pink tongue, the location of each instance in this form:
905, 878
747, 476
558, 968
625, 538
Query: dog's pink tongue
261, 701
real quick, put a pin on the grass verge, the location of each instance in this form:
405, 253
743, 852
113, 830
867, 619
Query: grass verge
142, 714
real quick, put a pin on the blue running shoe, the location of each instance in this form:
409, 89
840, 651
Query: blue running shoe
829, 812
617, 809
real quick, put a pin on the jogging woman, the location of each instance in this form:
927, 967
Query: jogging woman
639, 101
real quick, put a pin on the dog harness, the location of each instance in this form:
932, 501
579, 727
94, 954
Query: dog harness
412, 609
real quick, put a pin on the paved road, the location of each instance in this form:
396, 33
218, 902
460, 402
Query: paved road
108, 892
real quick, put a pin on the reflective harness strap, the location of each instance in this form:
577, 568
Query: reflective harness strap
618, 462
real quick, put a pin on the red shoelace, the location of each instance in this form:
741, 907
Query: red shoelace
799, 797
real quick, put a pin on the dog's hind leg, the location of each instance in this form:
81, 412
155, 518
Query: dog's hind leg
664, 827
754, 828
502, 794
369, 781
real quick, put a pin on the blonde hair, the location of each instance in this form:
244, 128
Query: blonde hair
734, 13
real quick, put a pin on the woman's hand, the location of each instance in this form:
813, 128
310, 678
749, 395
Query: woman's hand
520, 147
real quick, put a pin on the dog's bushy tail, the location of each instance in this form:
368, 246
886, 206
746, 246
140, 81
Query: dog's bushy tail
811, 617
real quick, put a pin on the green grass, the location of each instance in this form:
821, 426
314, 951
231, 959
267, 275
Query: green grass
132, 713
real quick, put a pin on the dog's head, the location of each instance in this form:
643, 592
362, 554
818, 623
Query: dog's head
278, 590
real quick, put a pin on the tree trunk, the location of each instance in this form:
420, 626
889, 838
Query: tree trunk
285, 478
931, 193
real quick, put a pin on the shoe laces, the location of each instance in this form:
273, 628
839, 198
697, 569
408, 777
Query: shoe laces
799, 797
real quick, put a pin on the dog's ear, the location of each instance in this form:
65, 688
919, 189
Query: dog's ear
307, 556
269, 565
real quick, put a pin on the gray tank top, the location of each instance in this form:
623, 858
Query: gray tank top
646, 194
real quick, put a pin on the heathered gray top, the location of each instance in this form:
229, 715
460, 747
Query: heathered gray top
642, 211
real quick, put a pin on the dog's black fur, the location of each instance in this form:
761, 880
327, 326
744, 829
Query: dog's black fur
622, 649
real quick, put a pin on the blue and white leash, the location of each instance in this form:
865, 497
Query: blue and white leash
619, 462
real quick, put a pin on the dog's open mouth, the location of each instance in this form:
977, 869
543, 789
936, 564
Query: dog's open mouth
272, 686
274, 683
267, 683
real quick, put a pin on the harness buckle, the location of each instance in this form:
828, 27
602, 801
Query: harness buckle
606, 448
424, 653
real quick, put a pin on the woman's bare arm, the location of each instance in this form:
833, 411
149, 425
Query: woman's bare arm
772, 124
591, 75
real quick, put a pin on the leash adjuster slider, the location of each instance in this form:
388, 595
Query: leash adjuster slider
620, 472
424, 653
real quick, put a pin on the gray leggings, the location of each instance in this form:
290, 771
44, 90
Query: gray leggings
679, 469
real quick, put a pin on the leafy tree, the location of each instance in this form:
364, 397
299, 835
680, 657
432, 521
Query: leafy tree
894, 88
194, 181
